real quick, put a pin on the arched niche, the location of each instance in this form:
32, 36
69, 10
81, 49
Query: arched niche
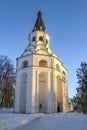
23, 89
43, 92
59, 95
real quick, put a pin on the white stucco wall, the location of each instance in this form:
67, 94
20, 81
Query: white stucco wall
54, 87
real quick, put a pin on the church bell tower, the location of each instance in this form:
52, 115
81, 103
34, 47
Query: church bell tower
41, 78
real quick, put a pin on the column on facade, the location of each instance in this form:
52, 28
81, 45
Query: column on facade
17, 94
60, 95
29, 93
65, 96
37, 92
49, 93
53, 91
33, 89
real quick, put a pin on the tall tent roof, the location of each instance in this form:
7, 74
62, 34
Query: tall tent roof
39, 25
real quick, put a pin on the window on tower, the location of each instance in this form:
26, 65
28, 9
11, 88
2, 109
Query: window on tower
46, 41
64, 73
41, 38
33, 39
25, 64
42, 63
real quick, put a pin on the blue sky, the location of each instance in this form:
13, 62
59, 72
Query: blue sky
65, 21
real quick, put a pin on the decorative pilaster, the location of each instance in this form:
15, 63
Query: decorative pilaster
37, 93
65, 96
17, 96
29, 93
49, 93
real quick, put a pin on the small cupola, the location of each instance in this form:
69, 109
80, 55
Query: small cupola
39, 25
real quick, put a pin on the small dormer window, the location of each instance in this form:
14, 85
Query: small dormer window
41, 38
33, 39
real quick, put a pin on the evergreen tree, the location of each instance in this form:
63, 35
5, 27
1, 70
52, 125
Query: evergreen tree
81, 95
7, 78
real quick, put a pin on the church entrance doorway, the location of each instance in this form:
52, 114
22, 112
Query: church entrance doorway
59, 107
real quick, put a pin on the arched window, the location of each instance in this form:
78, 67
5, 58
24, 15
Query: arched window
42, 63
41, 38
57, 67
25, 64
33, 39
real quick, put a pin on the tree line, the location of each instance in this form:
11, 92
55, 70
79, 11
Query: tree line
80, 100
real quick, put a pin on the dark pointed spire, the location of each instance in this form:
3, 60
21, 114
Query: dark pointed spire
39, 25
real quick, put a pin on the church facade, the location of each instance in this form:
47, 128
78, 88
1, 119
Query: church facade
41, 78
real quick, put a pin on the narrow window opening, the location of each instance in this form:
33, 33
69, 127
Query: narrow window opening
46, 41
41, 38
40, 106
25, 64
64, 73
33, 39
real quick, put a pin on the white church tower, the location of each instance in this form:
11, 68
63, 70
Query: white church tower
41, 78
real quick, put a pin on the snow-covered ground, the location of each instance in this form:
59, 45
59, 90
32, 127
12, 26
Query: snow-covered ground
60, 121
10, 120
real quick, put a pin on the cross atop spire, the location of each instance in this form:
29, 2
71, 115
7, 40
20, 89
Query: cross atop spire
39, 25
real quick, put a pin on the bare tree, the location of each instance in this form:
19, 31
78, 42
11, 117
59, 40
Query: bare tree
7, 79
